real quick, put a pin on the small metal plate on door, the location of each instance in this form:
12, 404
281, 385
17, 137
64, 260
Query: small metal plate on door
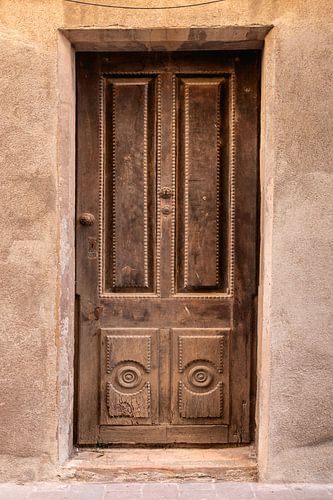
166, 210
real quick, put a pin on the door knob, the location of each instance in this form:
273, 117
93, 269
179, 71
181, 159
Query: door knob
86, 219
166, 210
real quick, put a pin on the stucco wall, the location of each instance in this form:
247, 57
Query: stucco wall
295, 346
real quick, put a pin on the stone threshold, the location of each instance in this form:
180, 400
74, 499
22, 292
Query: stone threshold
162, 464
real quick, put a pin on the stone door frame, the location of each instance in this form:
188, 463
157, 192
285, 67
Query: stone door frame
115, 39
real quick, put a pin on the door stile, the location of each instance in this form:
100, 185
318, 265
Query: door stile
165, 216
164, 375
86, 248
246, 144
166, 189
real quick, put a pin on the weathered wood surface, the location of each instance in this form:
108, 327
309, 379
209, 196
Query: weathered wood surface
166, 267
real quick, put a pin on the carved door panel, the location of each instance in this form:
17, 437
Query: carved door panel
166, 246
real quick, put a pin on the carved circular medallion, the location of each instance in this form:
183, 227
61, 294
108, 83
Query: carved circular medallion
200, 376
128, 376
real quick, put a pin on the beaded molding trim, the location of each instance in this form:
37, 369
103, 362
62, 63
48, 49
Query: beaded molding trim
231, 260
158, 183
101, 267
108, 351
232, 184
221, 400
217, 295
218, 180
186, 185
221, 346
173, 180
145, 185
101, 187
182, 367
114, 211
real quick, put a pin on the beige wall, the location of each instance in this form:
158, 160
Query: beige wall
295, 346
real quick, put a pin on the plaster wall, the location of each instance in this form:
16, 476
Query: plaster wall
36, 232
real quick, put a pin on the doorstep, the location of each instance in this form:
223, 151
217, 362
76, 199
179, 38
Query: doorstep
162, 464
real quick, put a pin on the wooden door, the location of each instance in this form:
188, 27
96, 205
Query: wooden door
167, 151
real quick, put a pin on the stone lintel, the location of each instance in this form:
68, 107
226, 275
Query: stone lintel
170, 39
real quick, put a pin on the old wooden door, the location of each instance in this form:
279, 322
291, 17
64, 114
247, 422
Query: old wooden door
167, 177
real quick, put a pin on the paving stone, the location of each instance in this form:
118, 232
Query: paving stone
48, 491
233, 491
272, 492
123, 491
14, 492
197, 486
58, 487
168, 491
160, 491
198, 495
310, 492
122, 495
87, 492
43, 495
129, 487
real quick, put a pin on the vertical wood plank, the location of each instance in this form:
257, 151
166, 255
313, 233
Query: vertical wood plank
246, 213
165, 375
87, 268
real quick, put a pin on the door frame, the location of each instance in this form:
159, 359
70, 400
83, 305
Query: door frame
96, 39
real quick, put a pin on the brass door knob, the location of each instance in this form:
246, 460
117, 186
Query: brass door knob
87, 219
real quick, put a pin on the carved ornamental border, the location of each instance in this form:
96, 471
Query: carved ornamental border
231, 242
231, 225
101, 273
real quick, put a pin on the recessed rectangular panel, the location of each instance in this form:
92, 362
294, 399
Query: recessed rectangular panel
200, 373
129, 374
202, 183
130, 213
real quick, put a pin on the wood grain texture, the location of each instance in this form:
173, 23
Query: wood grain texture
129, 376
200, 376
198, 144
166, 273
130, 175
164, 434
87, 201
